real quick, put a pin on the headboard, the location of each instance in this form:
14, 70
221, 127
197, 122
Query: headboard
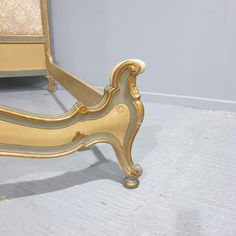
24, 38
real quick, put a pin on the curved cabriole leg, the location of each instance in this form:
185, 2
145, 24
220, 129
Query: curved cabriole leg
124, 77
131, 171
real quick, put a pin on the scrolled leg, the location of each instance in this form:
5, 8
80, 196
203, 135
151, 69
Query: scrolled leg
132, 171
124, 83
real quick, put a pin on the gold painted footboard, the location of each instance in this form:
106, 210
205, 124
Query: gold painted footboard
114, 119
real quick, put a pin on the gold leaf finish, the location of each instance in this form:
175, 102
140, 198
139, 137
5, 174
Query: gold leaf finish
113, 116
46, 137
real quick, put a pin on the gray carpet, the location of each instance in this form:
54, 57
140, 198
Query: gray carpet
188, 186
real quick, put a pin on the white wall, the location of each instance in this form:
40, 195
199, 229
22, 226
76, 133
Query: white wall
189, 46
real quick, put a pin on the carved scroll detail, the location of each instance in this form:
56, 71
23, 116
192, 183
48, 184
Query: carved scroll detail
115, 120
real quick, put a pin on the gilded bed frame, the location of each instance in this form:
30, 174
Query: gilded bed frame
113, 116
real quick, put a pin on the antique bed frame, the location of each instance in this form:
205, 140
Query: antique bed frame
113, 116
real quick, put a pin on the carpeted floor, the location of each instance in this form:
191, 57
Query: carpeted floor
188, 186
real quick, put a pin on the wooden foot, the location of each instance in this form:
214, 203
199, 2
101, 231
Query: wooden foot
131, 182
51, 84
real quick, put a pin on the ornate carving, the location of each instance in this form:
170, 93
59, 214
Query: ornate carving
79, 135
118, 128
120, 108
82, 109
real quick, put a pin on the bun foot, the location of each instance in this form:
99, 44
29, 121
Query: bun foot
130, 182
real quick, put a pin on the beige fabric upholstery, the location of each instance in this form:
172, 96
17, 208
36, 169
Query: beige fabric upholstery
20, 17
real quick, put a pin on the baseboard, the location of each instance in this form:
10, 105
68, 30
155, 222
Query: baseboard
195, 102
188, 101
